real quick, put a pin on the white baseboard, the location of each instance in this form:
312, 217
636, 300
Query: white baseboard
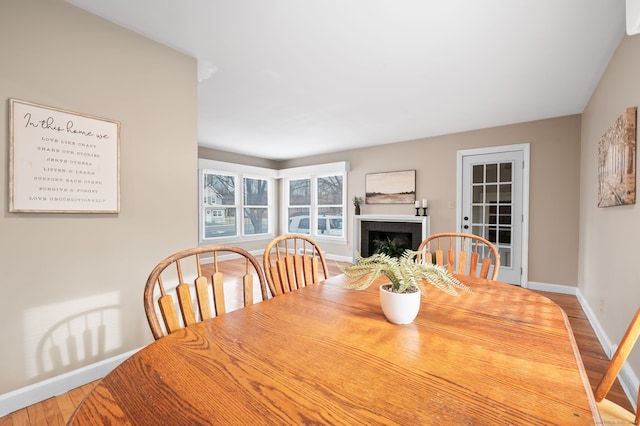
597, 328
630, 383
28, 395
338, 258
628, 379
552, 288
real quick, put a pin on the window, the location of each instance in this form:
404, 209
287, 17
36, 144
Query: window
237, 203
256, 206
219, 205
299, 209
330, 202
316, 205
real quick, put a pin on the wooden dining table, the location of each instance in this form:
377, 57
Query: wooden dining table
326, 355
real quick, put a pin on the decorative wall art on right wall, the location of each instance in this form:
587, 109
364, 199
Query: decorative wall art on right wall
617, 162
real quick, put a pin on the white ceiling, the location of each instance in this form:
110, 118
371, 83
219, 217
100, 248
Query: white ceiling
283, 79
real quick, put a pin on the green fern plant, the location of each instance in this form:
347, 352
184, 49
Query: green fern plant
389, 247
406, 275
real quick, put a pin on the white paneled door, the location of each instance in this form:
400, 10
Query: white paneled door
493, 188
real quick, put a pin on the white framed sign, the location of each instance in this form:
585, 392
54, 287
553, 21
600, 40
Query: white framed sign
62, 161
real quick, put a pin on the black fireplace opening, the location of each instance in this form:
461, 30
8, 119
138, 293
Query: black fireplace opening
394, 242
407, 235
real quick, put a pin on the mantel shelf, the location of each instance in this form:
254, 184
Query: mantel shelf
391, 218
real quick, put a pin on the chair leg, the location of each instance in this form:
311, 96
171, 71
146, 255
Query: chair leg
638, 408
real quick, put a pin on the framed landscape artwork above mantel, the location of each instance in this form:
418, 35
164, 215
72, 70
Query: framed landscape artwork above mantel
391, 187
617, 162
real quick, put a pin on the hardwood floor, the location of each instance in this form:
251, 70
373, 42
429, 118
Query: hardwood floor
58, 410
593, 356
53, 411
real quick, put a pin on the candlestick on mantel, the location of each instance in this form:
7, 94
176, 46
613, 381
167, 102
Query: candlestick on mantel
417, 204
424, 207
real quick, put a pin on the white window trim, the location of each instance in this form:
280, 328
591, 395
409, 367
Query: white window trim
240, 171
313, 173
222, 166
318, 169
279, 210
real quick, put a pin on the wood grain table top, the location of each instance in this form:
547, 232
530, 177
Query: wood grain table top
326, 355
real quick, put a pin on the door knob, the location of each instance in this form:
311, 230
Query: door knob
466, 227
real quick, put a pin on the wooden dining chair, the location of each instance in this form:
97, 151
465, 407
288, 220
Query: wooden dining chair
611, 412
474, 250
293, 261
194, 283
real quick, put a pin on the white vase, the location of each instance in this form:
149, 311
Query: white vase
399, 308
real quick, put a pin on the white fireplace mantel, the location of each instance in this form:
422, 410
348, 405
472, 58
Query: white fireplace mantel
358, 219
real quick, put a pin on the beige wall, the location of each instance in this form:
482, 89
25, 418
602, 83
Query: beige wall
84, 273
58, 268
608, 270
555, 154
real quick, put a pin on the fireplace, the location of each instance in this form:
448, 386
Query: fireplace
369, 230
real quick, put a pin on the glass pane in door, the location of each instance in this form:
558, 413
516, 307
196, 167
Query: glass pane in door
492, 190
